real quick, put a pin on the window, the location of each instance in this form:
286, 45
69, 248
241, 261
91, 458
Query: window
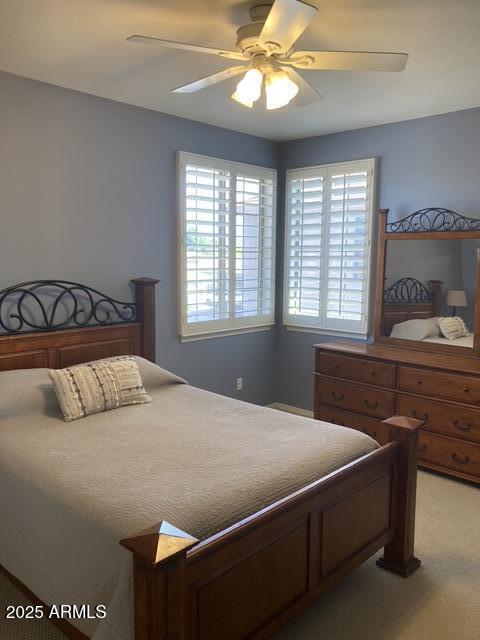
227, 245
327, 246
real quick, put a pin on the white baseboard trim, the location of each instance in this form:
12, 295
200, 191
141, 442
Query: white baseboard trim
288, 408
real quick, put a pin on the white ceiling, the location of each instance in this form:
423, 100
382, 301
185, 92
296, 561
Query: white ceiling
81, 44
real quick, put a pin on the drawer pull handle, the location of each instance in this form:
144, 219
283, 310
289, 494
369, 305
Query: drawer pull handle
460, 459
373, 374
419, 382
424, 417
466, 390
422, 448
370, 405
462, 427
337, 396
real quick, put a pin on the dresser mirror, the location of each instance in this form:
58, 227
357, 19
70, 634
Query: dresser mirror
427, 288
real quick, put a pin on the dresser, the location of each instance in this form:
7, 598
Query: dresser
359, 385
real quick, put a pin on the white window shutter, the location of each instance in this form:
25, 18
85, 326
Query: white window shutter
254, 250
227, 232
305, 214
328, 238
207, 236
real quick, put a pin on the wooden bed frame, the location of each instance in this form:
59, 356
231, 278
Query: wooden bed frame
250, 579
410, 299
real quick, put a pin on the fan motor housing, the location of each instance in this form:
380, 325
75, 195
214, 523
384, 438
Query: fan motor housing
248, 35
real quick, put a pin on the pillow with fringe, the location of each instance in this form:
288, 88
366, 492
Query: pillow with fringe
95, 387
453, 327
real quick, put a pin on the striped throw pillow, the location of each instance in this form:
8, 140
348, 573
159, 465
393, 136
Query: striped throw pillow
99, 386
453, 327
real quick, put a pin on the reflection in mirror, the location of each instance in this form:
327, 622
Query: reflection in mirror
427, 284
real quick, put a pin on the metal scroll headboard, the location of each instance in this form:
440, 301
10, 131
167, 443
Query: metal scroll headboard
407, 291
48, 305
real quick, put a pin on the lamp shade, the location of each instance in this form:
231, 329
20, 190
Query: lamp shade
249, 89
456, 298
279, 89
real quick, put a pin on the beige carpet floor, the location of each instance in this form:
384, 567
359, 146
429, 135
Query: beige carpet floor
441, 601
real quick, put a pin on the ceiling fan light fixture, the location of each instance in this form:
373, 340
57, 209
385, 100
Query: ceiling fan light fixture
249, 89
267, 43
280, 90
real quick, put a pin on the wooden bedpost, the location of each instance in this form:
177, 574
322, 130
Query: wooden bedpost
436, 291
160, 598
399, 553
145, 300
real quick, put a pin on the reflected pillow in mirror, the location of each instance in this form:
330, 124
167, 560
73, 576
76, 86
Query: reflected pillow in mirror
453, 327
418, 329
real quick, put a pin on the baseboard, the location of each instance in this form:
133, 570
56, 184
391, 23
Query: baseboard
288, 408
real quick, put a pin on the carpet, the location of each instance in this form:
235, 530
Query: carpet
441, 601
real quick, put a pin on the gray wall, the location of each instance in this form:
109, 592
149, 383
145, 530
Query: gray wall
422, 163
87, 193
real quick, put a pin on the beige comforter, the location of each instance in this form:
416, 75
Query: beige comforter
70, 491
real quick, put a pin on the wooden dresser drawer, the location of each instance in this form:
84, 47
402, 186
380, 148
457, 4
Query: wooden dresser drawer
371, 426
359, 369
354, 397
440, 383
442, 417
451, 453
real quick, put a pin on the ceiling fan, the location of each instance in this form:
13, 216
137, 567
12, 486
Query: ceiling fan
265, 47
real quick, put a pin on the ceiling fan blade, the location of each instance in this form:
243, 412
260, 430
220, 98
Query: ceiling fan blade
233, 55
203, 83
286, 21
348, 60
307, 94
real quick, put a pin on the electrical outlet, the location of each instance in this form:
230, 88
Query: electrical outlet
239, 384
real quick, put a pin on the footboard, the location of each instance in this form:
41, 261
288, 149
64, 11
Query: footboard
250, 579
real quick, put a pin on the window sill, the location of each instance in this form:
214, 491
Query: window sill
225, 333
359, 335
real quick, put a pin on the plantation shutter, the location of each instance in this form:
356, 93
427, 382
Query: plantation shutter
348, 247
208, 203
227, 215
254, 277
305, 208
328, 228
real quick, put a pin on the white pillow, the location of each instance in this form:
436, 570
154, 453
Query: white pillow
453, 327
418, 329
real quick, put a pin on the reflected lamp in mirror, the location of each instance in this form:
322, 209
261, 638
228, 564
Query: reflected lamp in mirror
456, 298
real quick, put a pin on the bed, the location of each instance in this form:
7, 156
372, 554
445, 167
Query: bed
408, 300
214, 502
